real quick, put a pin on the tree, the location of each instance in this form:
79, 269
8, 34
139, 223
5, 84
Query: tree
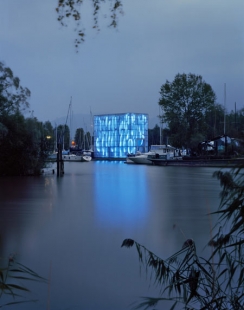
21, 149
185, 103
199, 283
13, 97
235, 124
83, 140
48, 136
70, 9
215, 121
63, 136
79, 137
88, 141
154, 135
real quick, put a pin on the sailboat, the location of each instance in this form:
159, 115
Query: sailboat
85, 154
72, 155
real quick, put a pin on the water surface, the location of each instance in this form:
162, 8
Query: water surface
70, 229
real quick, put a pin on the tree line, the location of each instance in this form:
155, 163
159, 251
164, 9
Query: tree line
189, 115
26, 142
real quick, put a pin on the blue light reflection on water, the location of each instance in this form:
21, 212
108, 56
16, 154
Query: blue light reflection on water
74, 226
119, 198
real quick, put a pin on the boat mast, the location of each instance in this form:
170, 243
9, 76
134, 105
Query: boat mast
160, 128
71, 124
55, 145
224, 105
69, 111
235, 117
91, 126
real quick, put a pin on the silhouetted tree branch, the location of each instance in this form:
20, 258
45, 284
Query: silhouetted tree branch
72, 10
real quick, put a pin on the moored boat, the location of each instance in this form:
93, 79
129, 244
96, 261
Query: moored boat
85, 155
82, 156
71, 157
199, 161
156, 151
139, 158
52, 156
164, 152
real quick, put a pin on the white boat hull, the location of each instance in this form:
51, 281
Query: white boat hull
86, 158
71, 158
81, 158
155, 152
140, 159
85, 155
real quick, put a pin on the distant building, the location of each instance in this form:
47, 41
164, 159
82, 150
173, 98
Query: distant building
116, 135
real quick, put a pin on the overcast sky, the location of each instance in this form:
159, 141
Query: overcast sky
119, 71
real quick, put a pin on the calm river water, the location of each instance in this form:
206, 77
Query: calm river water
70, 229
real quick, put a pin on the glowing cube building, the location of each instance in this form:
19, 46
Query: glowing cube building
117, 135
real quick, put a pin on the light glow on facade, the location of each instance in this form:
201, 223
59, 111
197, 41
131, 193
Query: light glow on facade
116, 135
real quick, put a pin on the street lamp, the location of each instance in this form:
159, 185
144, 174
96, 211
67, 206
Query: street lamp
48, 143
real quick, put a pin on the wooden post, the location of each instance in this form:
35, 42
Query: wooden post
225, 145
58, 160
60, 163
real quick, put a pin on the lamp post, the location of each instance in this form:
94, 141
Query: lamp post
48, 144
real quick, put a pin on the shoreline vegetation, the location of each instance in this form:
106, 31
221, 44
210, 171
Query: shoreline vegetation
26, 142
190, 281
14, 279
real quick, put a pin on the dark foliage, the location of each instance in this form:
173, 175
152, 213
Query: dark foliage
22, 141
191, 114
186, 102
12, 278
71, 9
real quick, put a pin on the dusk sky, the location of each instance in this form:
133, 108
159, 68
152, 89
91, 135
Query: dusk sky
121, 70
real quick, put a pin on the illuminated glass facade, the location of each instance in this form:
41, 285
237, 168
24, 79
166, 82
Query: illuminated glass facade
116, 135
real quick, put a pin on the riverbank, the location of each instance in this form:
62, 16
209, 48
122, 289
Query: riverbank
197, 162
200, 162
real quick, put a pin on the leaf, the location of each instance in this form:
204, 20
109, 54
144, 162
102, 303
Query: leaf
1, 274
128, 243
161, 270
222, 272
150, 302
18, 287
25, 278
28, 270
240, 282
17, 302
173, 306
139, 252
203, 269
